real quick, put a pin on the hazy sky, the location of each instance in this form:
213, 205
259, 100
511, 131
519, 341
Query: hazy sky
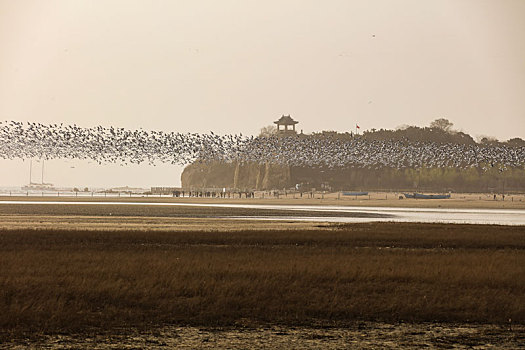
236, 66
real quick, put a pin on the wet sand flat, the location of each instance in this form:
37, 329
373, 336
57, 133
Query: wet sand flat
125, 223
168, 210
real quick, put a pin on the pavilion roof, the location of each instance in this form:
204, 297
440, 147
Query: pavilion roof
285, 120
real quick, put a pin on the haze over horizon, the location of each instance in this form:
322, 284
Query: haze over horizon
236, 66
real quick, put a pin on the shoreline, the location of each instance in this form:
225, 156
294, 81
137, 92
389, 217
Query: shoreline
376, 199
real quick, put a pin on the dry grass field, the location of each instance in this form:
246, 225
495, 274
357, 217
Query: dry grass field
73, 281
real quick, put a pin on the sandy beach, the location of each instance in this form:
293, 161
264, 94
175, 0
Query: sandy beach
374, 199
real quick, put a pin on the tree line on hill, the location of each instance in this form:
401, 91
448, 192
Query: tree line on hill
439, 131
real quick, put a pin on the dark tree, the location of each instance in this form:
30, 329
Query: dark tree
443, 124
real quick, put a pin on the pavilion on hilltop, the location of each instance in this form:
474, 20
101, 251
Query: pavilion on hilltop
285, 121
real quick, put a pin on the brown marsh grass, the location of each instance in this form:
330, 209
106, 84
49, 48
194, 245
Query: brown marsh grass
61, 281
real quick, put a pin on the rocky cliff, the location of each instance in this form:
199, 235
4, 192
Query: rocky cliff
236, 175
254, 176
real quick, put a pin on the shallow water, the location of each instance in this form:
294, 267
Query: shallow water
354, 214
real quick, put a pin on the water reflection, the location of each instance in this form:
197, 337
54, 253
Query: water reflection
350, 214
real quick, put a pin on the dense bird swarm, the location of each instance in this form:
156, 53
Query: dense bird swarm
119, 145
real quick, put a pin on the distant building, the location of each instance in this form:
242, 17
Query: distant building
127, 189
165, 190
283, 123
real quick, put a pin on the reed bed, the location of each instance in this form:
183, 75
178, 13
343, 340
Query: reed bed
70, 281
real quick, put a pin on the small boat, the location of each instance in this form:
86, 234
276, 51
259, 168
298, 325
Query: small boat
34, 186
426, 196
355, 193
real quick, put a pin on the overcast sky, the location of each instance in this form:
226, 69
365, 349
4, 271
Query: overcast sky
236, 66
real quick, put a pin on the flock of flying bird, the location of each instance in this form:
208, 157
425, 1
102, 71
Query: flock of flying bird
118, 145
